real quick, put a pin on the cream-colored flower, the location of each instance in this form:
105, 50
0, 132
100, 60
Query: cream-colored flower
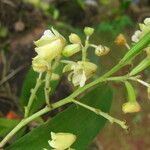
80, 72
50, 45
61, 141
144, 29
131, 107
39, 64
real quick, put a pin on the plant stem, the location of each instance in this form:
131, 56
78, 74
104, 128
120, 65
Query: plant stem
31, 118
101, 113
32, 96
47, 87
140, 81
48, 78
84, 49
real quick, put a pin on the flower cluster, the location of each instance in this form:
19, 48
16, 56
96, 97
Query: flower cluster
53, 45
48, 47
144, 29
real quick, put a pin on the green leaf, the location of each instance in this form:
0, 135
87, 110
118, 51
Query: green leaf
29, 83
6, 125
75, 119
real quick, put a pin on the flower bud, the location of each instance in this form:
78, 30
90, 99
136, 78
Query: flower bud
74, 38
141, 66
88, 31
101, 50
39, 64
71, 49
120, 40
61, 141
55, 76
131, 107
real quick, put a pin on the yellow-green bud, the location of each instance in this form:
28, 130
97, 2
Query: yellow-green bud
55, 76
61, 141
88, 31
39, 64
101, 50
131, 107
71, 49
74, 38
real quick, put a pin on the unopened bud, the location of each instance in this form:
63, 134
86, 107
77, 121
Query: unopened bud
39, 64
55, 76
120, 40
71, 49
88, 31
74, 38
101, 50
131, 107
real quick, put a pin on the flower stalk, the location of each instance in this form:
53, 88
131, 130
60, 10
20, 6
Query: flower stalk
103, 114
33, 95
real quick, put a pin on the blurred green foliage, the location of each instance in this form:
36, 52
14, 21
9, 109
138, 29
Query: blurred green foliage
115, 26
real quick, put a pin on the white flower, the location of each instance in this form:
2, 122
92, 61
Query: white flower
135, 38
61, 141
81, 71
50, 45
147, 21
47, 34
144, 29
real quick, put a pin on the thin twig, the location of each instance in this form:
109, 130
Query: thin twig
13, 73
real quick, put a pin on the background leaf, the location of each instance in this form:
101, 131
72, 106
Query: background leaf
75, 119
6, 125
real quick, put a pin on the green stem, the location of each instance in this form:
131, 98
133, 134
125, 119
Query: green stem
33, 95
101, 113
47, 87
84, 49
48, 79
31, 118
140, 81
